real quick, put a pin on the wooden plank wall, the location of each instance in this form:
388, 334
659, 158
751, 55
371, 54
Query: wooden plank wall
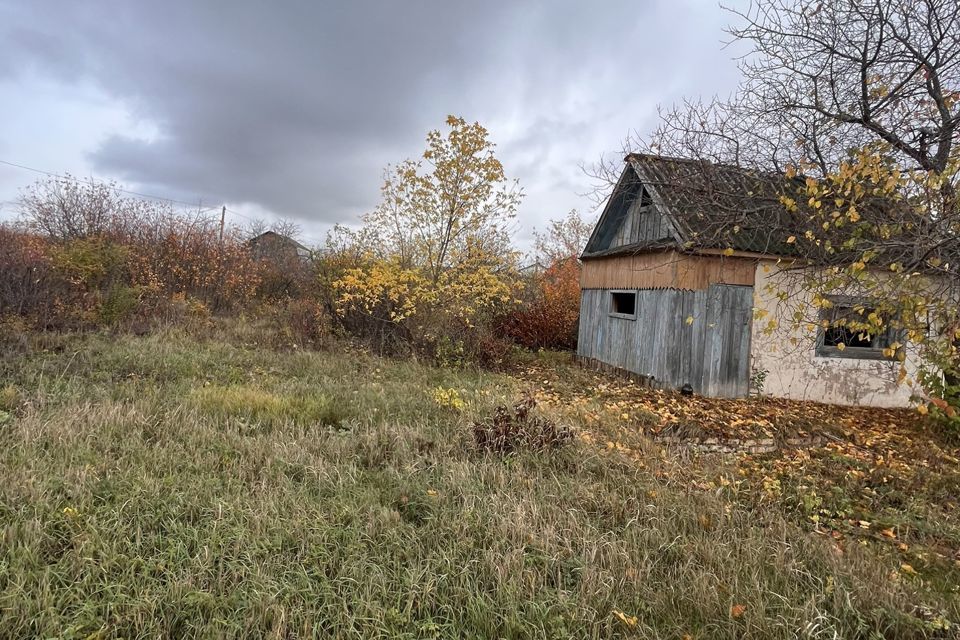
641, 222
663, 269
712, 353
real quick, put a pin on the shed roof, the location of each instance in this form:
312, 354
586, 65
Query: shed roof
716, 206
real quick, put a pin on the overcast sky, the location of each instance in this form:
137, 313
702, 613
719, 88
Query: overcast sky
292, 109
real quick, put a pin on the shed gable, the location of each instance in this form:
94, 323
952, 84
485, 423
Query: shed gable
631, 218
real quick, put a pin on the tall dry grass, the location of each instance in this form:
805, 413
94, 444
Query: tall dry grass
175, 486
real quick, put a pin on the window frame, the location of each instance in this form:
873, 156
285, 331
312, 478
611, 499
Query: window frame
613, 304
888, 337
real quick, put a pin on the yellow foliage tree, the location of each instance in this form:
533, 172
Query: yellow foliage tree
438, 243
877, 230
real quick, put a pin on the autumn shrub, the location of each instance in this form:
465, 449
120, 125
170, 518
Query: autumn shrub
449, 343
399, 310
84, 256
549, 315
180, 257
433, 261
519, 427
118, 305
91, 263
286, 276
29, 284
295, 323
942, 403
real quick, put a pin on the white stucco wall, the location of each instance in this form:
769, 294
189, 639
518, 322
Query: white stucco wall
795, 371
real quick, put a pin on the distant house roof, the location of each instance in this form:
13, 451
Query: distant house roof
533, 267
273, 244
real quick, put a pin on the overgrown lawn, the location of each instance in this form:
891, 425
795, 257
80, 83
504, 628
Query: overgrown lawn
176, 486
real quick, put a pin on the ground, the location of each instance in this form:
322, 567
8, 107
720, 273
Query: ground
187, 484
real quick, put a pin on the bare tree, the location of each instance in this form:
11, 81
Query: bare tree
823, 77
66, 208
255, 227
564, 238
288, 228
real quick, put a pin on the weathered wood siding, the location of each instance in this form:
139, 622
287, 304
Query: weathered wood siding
629, 217
663, 269
712, 353
641, 222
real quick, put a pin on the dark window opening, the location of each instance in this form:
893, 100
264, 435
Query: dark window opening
839, 340
835, 336
624, 303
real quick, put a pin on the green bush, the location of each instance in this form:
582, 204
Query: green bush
93, 263
119, 304
944, 405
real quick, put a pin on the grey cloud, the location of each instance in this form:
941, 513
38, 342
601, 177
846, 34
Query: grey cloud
297, 106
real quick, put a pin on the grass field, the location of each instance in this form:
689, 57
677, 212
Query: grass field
180, 486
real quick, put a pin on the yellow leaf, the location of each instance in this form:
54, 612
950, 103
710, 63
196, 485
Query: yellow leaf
841, 346
906, 568
888, 533
791, 239
689, 320
922, 409
728, 251
630, 621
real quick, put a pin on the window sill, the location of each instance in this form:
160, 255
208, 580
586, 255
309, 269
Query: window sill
623, 316
853, 353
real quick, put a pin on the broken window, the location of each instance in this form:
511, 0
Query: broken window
624, 304
842, 333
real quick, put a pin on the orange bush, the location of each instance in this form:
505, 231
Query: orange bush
189, 260
29, 285
138, 262
550, 312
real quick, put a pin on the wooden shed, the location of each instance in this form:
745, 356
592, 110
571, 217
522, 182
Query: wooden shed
682, 259
659, 301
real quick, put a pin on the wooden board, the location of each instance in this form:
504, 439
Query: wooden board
711, 352
666, 269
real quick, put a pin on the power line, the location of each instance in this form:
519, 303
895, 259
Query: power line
91, 181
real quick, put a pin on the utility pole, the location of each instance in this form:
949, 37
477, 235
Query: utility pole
223, 217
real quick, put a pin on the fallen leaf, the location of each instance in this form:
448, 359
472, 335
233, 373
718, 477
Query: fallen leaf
737, 610
630, 621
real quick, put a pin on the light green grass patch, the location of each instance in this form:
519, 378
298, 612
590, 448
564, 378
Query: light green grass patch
269, 409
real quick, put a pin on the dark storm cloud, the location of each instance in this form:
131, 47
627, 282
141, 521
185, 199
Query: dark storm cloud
296, 106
